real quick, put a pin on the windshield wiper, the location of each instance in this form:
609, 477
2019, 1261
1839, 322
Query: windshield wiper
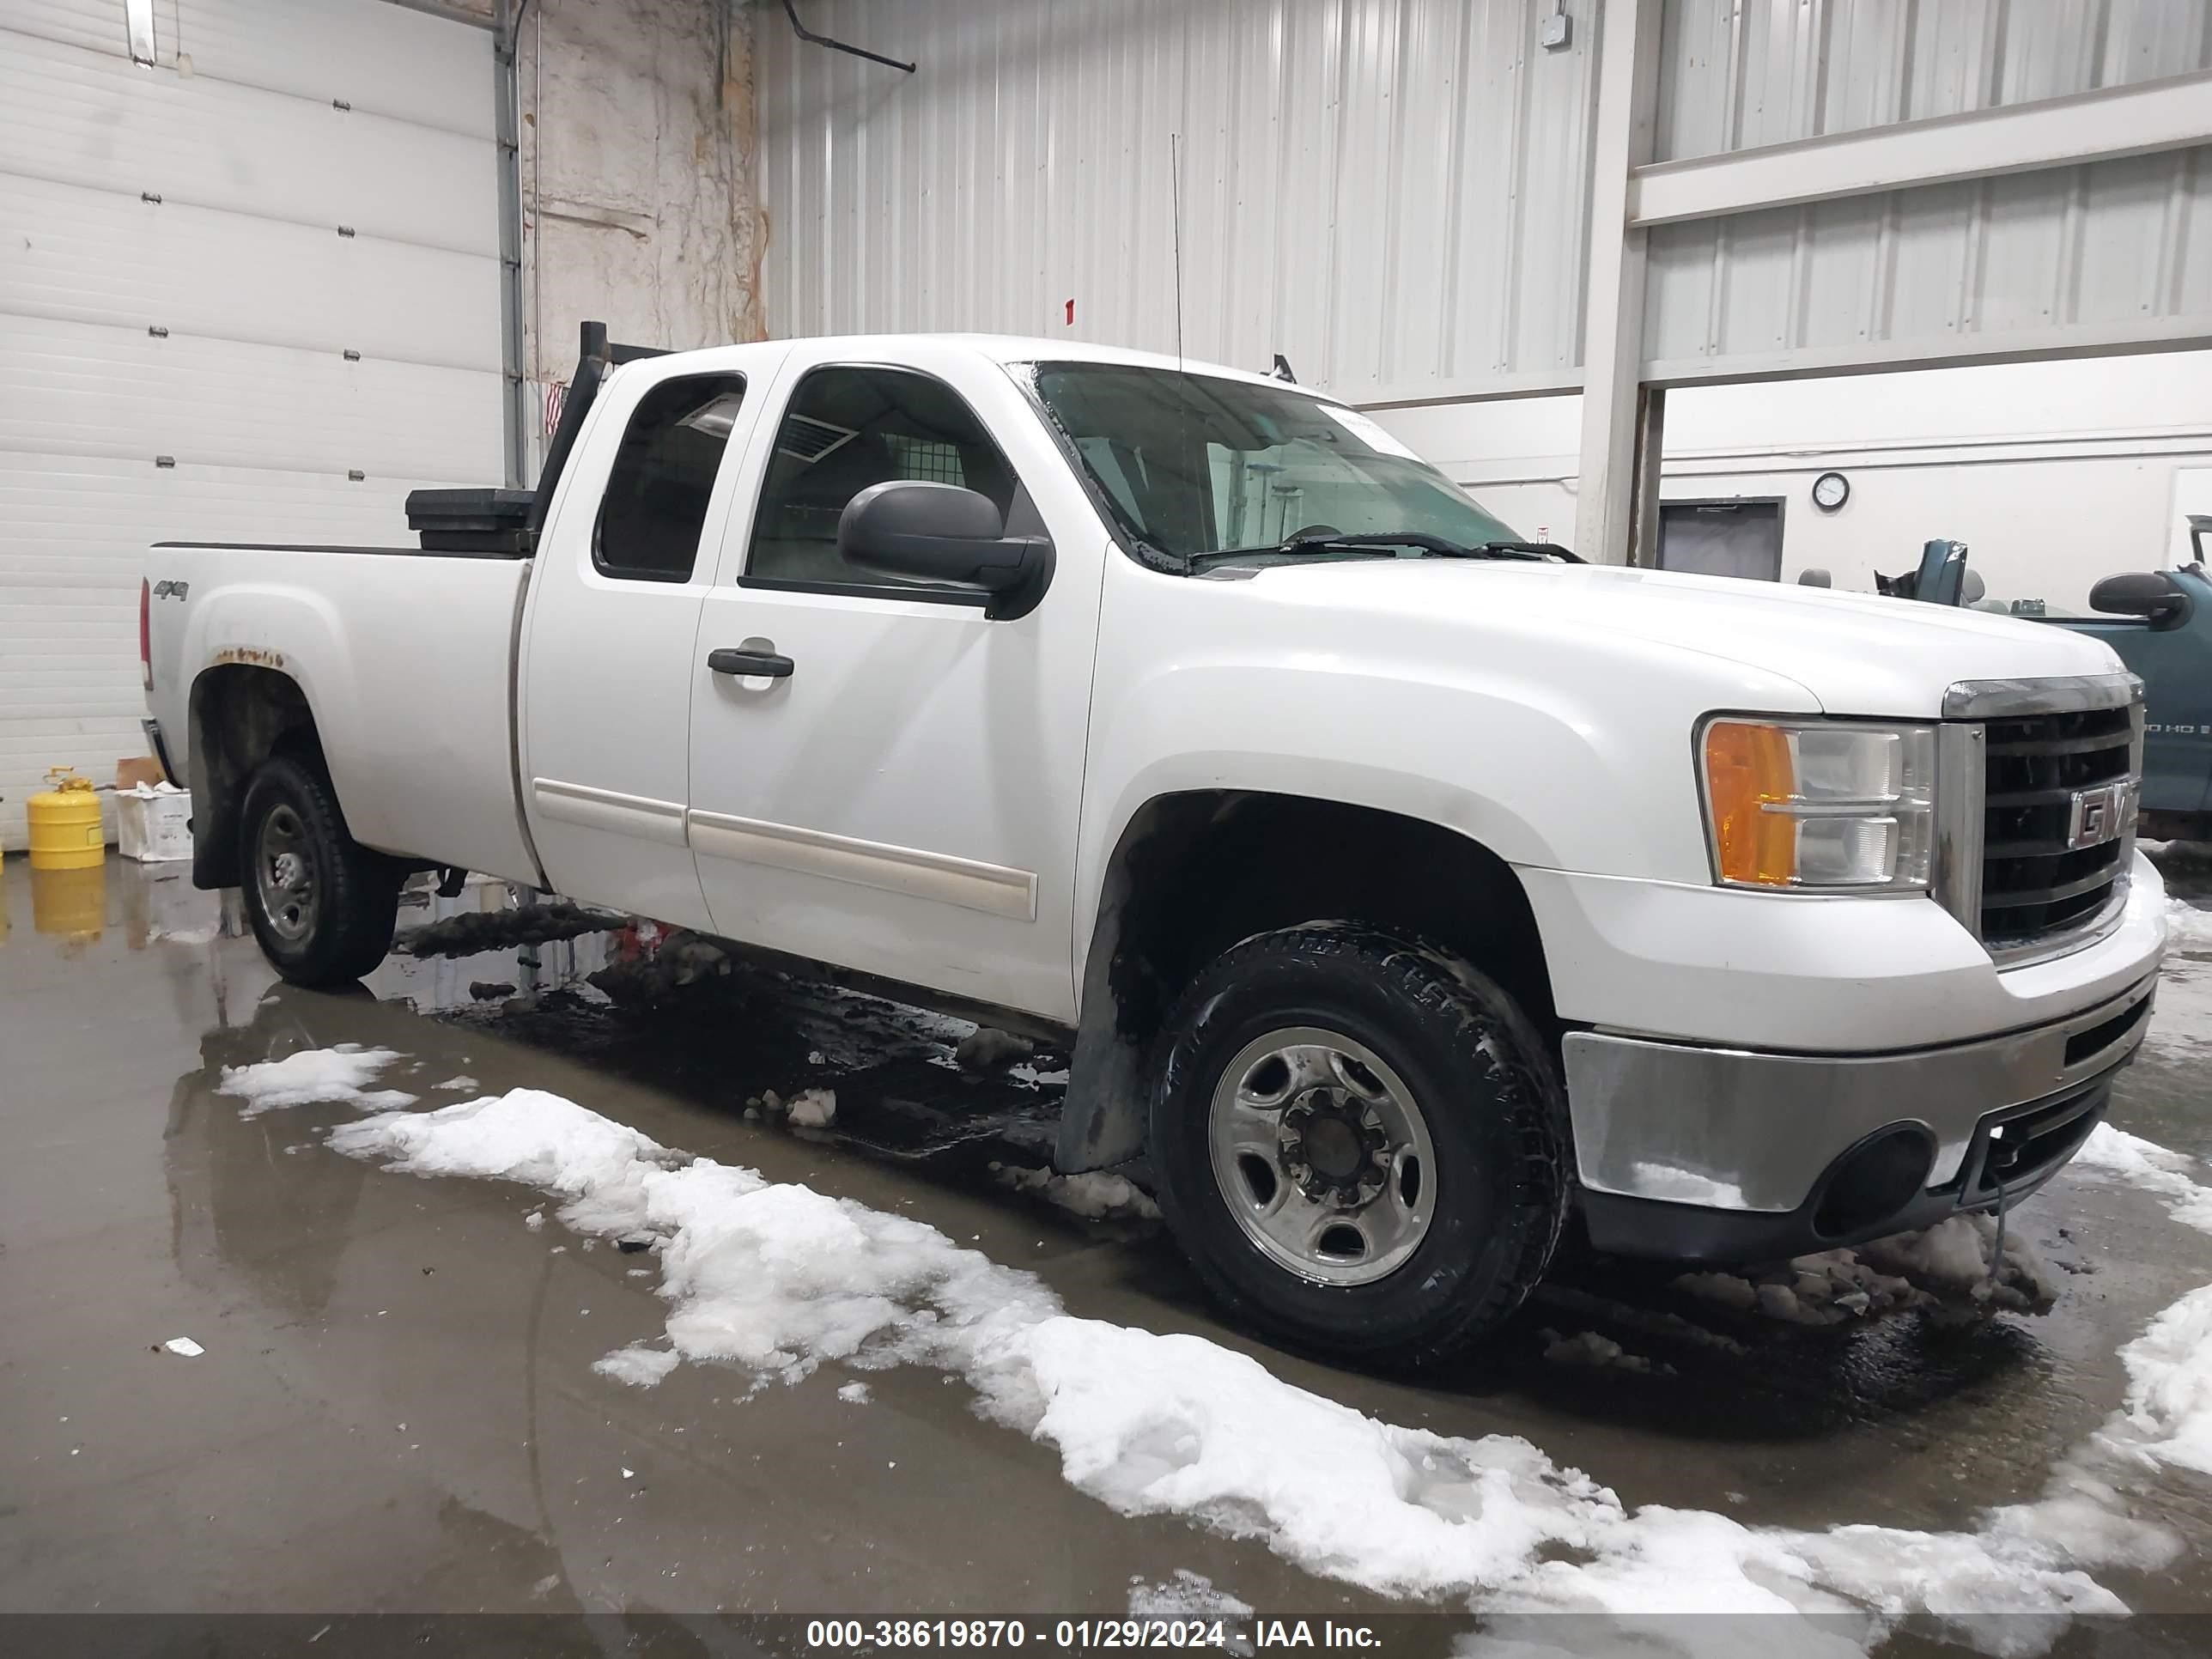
1526, 551
1437, 547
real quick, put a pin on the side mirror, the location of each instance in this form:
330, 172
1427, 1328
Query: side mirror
2151, 594
939, 532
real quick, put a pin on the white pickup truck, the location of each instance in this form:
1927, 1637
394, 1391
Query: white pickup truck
1402, 887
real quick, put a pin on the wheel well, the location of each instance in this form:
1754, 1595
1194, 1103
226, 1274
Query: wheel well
1193, 873
239, 716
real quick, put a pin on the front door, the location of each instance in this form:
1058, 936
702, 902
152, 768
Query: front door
901, 797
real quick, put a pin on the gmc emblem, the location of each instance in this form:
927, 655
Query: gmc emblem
2100, 815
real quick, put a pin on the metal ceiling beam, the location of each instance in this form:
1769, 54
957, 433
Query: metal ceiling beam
2089, 127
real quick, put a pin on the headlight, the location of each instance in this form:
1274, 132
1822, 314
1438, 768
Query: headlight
1819, 805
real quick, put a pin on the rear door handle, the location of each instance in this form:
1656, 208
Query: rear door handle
728, 661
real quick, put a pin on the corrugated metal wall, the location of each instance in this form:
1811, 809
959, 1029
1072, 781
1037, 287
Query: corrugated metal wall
1736, 74
1393, 192
1389, 192
2053, 261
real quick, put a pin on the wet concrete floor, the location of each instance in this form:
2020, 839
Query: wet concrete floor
396, 1409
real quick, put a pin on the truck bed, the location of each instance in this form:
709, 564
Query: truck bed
405, 657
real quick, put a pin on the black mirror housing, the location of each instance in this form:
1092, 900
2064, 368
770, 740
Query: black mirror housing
940, 532
2151, 594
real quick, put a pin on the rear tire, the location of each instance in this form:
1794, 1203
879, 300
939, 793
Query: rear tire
1357, 1142
322, 905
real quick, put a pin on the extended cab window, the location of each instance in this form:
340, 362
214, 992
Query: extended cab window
1200, 466
849, 427
655, 504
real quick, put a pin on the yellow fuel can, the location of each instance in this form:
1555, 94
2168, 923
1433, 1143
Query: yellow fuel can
64, 823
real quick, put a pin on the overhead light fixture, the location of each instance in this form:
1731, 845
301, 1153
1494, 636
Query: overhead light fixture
138, 23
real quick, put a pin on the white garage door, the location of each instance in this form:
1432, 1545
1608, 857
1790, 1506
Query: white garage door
248, 290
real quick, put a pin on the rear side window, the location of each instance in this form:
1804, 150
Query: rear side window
655, 504
850, 427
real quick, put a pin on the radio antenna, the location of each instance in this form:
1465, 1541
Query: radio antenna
1175, 211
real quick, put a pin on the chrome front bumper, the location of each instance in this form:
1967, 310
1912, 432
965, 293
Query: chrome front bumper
1737, 1130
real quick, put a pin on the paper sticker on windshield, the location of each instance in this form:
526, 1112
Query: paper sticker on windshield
1368, 433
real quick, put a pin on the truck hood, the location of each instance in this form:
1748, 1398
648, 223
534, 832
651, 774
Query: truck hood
1853, 654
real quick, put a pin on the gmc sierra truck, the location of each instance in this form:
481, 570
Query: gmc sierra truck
1400, 886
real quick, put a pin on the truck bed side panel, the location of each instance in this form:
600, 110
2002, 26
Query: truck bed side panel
405, 662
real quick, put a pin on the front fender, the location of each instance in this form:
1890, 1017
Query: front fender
1548, 761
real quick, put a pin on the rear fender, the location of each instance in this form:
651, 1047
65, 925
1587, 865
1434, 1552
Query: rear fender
270, 669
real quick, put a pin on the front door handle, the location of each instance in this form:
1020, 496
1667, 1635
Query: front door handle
728, 661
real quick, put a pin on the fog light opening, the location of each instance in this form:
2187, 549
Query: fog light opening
1875, 1180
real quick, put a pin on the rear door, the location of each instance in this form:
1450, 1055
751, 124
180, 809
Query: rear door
904, 801
605, 678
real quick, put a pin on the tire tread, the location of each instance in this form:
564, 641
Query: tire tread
1451, 991
360, 899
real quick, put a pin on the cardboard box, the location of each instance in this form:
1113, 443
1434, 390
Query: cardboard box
153, 823
136, 769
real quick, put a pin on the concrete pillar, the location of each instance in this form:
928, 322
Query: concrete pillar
1608, 526
641, 204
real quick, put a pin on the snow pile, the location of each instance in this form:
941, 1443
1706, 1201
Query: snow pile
638, 1366
984, 1049
1955, 1257
540, 1140
1176, 1425
780, 1279
1597, 1352
854, 1394
1186, 1596
2188, 927
314, 1075
1096, 1195
813, 1109
2169, 1405
2167, 1415
2149, 1168
459, 1080
1945, 1268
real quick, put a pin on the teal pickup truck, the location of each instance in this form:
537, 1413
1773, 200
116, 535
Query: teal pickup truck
2160, 623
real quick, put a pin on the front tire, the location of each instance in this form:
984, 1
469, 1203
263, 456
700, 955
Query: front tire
322, 905
1358, 1143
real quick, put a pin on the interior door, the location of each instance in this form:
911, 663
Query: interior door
605, 681
900, 794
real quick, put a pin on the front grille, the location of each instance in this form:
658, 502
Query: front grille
2033, 885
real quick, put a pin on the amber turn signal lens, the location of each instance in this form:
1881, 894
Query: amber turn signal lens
1748, 767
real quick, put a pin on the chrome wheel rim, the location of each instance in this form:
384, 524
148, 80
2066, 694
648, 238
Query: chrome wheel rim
284, 876
1322, 1155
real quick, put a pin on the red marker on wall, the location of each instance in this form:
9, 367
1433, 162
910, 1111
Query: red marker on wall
1071, 313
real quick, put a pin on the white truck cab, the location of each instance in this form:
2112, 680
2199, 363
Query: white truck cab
1404, 886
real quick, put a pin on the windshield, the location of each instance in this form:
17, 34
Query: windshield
1193, 465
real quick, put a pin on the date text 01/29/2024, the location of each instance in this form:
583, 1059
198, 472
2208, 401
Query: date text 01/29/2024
1084, 1634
